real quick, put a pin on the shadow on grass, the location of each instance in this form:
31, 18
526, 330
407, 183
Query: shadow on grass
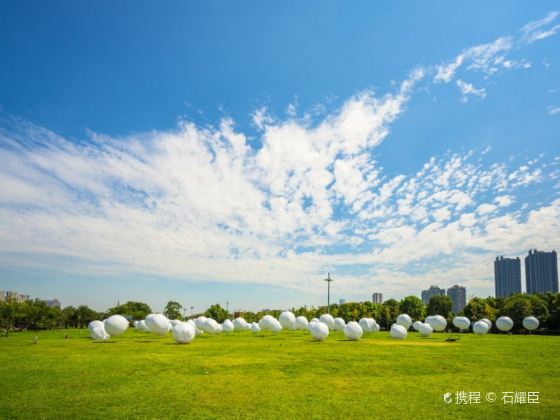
104, 342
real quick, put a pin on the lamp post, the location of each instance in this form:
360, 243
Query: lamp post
328, 280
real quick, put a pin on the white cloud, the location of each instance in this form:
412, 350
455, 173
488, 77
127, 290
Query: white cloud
553, 110
504, 200
537, 30
469, 89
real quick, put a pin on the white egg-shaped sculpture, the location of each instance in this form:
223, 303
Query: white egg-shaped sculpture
314, 320
367, 324
480, 327
328, 320
287, 320
183, 332
302, 323
157, 323
99, 333
199, 321
276, 326
239, 324
425, 330
94, 324
218, 328
398, 331
353, 331
416, 325
504, 323
266, 322
175, 322
227, 326
141, 326
487, 322
255, 327
437, 322
375, 327
319, 330
530, 323
339, 324
404, 320
461, 322
116, 325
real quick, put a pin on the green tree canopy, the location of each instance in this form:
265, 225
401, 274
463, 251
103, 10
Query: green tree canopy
131, 309
390, 309
414, 307
440, 305
173, 310
216, 312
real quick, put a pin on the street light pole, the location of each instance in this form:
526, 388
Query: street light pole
328, 280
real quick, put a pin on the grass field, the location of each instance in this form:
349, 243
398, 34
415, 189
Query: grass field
288, 375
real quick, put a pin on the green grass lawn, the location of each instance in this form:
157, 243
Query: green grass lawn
242, 375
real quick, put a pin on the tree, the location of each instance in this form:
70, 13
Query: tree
84, 315
414, 307
173, 310
216, 312
440, 305
131, 309
522, 305
389, 311
10, 311
478, 308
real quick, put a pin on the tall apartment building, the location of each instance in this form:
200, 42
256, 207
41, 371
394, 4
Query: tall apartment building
458, 296
541, 271
377, 297
432, 291
507, 276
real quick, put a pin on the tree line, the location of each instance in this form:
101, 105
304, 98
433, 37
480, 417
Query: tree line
36, 314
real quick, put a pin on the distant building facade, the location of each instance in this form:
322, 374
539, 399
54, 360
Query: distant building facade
507, 276
458, 296
431, 292
341, 301
53, 303
11, 295
541, 271
377, 297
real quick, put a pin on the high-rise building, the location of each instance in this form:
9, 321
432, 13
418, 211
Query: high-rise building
541, 271
431, 292
23, 298
458, 296
507, 276
377, 297
11, 295
341, 301
53, 303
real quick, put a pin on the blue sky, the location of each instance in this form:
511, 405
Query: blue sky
237, 151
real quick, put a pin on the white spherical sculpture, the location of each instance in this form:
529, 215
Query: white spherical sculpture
227, 326
302, 323
425, 330
367, 324
461, 322
319, 330
287, 320
504, 323
269, 323
437, 322
200, 321
353, 331
239, 324
375, 327
157, 323
530, 323
404, 320
211, 326
314, 320
398, 331
116, 325
97, 330
487, 322
339, 324
416, 325
255, 327
480, 327
328, 320
184, 332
